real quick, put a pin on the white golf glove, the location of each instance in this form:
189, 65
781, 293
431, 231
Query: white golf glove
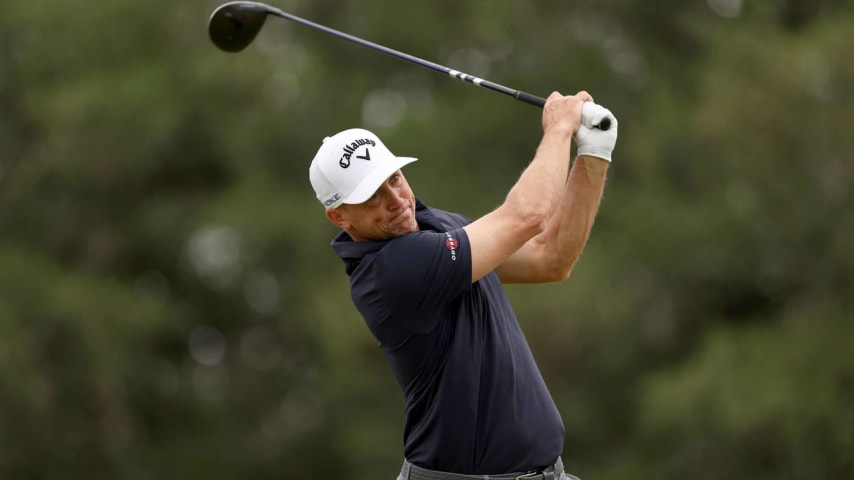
593, 141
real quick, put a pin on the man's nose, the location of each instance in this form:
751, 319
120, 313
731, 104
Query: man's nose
395, 199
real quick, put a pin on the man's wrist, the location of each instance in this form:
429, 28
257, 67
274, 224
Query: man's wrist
589, 151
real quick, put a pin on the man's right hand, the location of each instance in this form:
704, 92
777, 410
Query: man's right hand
562, 113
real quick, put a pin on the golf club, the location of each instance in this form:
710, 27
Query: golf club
234, 25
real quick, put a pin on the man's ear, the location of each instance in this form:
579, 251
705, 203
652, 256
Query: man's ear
334, 215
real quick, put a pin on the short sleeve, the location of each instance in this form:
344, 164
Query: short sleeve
420, 274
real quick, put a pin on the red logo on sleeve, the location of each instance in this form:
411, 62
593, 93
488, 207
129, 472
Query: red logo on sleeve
452, 244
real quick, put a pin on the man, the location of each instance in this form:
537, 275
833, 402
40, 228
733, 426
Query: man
428, 284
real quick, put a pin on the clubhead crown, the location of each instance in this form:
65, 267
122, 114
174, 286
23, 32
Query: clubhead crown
234, 25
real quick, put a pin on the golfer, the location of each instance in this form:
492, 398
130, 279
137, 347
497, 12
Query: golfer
429, 286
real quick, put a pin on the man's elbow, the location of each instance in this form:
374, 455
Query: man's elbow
556, 269
559, 273
530, 213
531, 221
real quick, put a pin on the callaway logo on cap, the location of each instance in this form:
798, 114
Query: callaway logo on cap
350, 166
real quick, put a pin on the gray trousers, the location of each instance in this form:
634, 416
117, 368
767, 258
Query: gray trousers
563, 476
404, 475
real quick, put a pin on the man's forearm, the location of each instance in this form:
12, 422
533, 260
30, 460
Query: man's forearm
568, 230
541, 182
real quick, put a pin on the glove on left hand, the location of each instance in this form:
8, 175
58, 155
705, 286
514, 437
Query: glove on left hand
591, 140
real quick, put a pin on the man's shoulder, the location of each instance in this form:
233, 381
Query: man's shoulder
440, 220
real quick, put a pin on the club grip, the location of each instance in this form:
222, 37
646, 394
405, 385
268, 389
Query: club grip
605, 124
532, 99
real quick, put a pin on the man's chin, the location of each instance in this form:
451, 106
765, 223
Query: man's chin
403, 228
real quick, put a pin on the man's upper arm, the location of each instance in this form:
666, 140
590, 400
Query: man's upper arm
495, 237
420, 273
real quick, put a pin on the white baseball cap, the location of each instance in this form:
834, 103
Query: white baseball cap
350, 166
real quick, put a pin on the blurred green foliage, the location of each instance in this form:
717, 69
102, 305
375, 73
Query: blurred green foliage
170, 306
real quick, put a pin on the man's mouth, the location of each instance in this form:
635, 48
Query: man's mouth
400, 216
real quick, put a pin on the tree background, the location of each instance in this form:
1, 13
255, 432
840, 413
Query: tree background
170, 306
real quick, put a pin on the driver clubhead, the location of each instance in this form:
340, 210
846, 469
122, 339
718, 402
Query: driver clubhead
234, 25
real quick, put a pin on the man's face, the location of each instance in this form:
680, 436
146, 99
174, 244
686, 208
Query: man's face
389, 213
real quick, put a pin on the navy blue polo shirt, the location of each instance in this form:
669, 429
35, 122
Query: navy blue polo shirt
476, 402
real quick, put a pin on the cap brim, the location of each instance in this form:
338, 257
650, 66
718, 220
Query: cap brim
372, 182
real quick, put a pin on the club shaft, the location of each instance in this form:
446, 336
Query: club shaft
517, 94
